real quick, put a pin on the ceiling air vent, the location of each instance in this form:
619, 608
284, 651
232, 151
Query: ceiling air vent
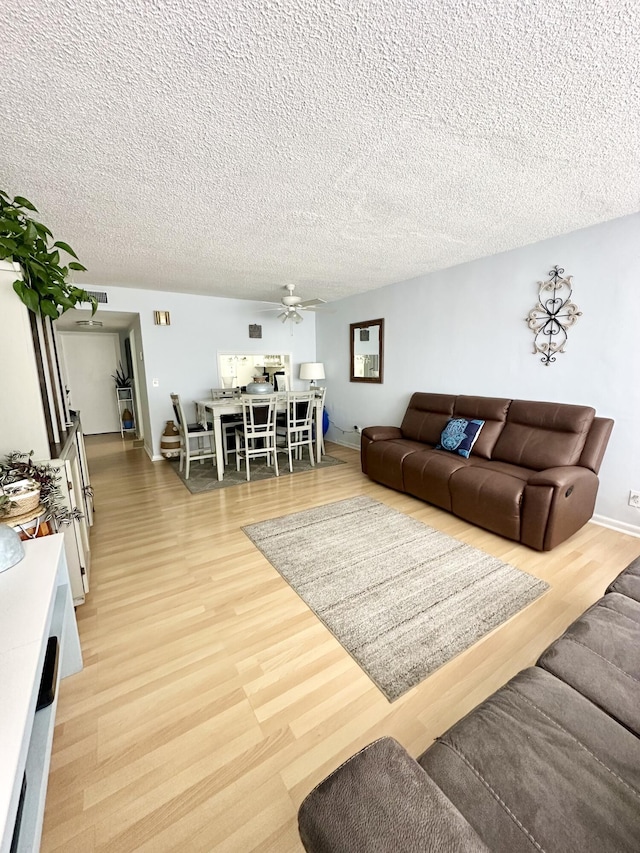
99, 295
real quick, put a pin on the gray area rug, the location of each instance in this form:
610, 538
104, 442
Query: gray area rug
203, 478
401, 597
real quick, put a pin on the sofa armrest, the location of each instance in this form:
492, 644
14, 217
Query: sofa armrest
381, 433
564, 477
557, 502
382, 801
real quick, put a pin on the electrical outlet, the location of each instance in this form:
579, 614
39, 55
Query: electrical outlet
634, 499
356, 428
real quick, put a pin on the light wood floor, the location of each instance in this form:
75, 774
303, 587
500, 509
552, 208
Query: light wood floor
212, 700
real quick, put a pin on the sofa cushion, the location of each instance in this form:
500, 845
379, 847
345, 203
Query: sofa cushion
426, 475
538, 766
543, 435
426, 417
491, 410
381, 801
628, 581
488, 498
385, 458
459, 436
599, 656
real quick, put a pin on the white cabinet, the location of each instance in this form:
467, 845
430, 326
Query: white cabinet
34, 417
35, 604
76, 492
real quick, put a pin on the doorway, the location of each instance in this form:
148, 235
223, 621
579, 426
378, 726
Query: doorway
89, 359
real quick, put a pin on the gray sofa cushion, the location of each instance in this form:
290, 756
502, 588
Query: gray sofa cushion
382, 801
599, 655
628, 582
538, 766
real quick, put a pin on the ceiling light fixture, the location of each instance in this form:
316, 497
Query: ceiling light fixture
97, 323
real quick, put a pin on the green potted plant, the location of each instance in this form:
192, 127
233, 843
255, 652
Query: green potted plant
43, 288
121, 377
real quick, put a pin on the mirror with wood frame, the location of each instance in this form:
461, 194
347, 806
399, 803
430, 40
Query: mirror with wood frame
367, 349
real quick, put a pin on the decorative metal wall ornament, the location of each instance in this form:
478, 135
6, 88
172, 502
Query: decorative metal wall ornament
553, 315
255, 331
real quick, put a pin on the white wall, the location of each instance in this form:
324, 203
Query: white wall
462, 331
183, 356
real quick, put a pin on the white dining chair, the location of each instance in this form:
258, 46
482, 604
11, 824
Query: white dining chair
224, 393
190, 433
257, 435
297, 431
228, 423
282, 382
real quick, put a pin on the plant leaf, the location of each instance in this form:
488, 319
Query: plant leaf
30, 234
49, 309
30, 299
10, 225
76, 266
8, 243
42, 229
24, 202
67, 248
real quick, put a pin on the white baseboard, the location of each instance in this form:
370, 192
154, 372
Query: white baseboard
157, 457
614, 524
344, 443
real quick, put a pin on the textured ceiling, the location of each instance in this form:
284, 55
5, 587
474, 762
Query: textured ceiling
231, 146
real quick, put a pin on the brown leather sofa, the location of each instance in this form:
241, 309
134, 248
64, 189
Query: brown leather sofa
531, 475
550, 762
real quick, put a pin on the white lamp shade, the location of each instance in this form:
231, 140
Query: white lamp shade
312, 370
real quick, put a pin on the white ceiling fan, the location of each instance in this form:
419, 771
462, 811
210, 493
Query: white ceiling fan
291, 305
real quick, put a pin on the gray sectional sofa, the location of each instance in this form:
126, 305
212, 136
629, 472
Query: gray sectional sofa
550, 762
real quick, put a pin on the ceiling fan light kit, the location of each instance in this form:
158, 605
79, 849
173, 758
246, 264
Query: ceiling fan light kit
291, 305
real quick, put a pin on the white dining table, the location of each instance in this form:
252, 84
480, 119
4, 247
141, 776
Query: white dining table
227, 406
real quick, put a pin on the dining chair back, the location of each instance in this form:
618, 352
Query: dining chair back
225, 393
228, 423
195, 432
282, 382
257, 434
298, 429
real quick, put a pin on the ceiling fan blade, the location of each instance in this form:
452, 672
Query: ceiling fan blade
311, 303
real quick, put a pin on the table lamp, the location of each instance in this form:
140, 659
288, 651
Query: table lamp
312, 370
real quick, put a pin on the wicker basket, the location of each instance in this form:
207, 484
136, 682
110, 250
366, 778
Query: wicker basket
24, 495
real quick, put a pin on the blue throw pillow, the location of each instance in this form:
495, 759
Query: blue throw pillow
459, 436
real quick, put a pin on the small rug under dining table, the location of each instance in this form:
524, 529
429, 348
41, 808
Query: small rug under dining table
401, 597
203, 477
